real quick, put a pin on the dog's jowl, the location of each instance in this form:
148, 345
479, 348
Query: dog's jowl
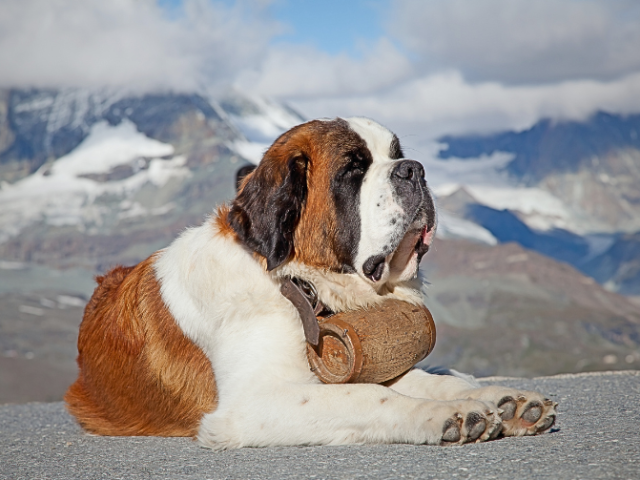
198, 339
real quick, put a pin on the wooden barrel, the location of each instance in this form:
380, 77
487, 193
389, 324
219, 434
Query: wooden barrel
372, 345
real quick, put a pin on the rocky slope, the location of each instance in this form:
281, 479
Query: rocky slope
505, 310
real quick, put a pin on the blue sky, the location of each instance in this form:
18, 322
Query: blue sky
332, 26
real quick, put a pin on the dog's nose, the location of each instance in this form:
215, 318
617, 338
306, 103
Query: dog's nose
409, 170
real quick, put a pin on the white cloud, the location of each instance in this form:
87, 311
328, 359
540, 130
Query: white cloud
571, 58
56, 43
522, 41
429, 106
303, 71
446, 66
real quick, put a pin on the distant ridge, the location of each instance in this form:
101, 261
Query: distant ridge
551, 146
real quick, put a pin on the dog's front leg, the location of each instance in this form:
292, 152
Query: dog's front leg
315, 414
419, 384
523, 412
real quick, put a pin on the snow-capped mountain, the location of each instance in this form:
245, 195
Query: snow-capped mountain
569, 190
259, 119
95, 178
37, 126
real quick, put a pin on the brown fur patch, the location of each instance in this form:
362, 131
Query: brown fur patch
222, 221
139, 374
324, 144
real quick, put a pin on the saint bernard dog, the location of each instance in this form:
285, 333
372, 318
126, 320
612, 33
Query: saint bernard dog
198, 339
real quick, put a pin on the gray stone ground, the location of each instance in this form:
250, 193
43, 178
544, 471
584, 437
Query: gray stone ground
597, 435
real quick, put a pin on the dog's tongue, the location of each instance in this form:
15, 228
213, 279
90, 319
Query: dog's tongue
427, 235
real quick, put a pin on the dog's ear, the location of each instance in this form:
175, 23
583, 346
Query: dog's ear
242, 173
266, 211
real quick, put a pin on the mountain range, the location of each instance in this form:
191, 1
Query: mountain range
516, 280
567, 189
95, 179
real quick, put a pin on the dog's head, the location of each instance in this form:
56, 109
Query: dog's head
337, 195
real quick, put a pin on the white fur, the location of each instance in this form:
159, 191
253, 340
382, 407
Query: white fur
230, 307
342, 292
377, 137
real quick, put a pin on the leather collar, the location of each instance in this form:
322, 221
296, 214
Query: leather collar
304, 297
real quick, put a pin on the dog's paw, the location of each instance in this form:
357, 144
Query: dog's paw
216, 432
526, 413
522, 412
471, 421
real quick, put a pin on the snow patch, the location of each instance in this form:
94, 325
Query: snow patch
450, 226
261, 129
540, 209
70, 301
107, 147
264, 127
484, 170
252, 151
60, 195
486, 181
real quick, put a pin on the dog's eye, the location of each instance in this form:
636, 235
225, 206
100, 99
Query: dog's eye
356, 168
356, 165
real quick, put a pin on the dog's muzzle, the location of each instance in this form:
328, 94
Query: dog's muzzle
410, 186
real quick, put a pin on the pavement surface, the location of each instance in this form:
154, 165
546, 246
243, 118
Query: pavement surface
597, 435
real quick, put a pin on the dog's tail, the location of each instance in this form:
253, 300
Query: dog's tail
114, 277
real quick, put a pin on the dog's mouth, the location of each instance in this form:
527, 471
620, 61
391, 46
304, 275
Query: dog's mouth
407, 256
423, 243
373, 268
415, 244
